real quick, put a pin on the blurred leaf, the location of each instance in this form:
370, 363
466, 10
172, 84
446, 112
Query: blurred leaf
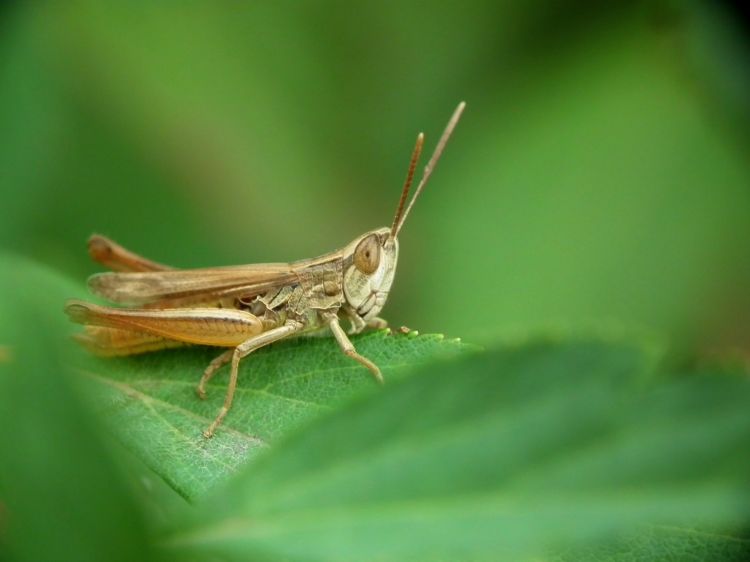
667, 544
30, 114
151, 405
501, 456
62, 497
600, 188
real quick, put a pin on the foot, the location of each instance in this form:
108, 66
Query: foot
209, 432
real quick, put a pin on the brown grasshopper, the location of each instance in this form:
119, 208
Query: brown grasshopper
249, 306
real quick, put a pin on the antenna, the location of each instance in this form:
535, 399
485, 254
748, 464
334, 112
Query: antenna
428, 169
407, 184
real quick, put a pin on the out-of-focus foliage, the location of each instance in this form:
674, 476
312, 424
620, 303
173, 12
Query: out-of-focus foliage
61, 495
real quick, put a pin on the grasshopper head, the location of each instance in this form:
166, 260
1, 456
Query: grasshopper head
370, 259
370, 265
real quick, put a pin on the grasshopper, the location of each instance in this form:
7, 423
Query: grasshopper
246, 307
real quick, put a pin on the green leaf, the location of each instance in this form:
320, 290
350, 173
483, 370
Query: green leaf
151, 405
501, 456
62, 495
666, 544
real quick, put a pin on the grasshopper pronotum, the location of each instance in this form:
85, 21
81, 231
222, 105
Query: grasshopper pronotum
246, 307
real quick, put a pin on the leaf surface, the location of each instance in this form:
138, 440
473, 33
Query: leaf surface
151, 405
666, 544
506, 455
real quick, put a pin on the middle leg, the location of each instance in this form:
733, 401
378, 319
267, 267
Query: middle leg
210, 371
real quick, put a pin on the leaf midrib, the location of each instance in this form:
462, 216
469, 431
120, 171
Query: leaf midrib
150, 401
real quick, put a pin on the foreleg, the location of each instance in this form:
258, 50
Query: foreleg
348, 348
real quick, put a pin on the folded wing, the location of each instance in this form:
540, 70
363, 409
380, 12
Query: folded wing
191, 285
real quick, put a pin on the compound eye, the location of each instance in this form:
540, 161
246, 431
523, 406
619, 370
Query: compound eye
367, 255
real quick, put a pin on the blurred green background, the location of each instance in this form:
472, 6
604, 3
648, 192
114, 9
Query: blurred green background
600, 177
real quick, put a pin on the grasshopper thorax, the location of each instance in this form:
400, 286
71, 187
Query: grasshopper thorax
369, 268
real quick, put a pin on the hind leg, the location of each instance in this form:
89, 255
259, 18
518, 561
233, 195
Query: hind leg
110, 254
243, 350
